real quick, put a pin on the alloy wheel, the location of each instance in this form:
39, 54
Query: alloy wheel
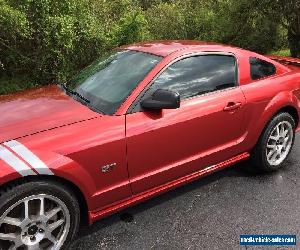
279, 143
35, 222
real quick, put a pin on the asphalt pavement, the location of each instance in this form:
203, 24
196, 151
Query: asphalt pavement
209, 213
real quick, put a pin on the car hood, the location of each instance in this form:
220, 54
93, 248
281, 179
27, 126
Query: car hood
37, 110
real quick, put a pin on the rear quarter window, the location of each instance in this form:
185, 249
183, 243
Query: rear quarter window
260, 68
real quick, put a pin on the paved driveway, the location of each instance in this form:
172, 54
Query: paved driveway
209, 213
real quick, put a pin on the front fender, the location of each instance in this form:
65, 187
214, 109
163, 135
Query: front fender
17, 161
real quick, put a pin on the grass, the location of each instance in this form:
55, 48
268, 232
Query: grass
282, 52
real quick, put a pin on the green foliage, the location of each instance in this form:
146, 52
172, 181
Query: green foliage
49, 40
287, 13
239, 26
166, 21
282, 52
17, 83
131, 28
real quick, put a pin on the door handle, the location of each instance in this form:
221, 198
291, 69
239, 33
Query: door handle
232, 106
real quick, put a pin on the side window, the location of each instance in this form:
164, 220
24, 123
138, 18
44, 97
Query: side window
197, 75
260, 68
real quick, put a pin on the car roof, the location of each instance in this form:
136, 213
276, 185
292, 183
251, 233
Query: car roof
165, 48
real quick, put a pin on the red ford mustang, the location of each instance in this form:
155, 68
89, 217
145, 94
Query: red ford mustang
134, 124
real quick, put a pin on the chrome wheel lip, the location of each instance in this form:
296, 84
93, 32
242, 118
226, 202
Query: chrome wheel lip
65, 228
280, 143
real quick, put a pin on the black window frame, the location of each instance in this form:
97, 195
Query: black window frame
264, 61
134, 107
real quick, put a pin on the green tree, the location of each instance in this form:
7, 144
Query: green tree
166, 21
50, 40
287, 13
239, 24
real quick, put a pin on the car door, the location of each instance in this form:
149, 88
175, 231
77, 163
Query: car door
167, 144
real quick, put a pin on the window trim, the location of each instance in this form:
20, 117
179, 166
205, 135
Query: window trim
140, 97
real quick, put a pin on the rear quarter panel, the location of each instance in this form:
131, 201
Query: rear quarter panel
265, 98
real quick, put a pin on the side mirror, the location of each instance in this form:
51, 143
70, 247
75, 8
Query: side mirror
162, 99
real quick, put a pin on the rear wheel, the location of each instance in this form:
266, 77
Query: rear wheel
275, 144
38, 215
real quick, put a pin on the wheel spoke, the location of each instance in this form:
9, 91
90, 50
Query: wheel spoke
271, 146
285, 142
16, 244
10, 237
26, 205
34, 247
274, 138
56, 224
12, 247
285, 133
278, 131
50, 237
274, 156
271, 153
12, 221
282, 129
53, 212
42, 206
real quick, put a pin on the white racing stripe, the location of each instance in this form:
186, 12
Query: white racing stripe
29, 157
13, 161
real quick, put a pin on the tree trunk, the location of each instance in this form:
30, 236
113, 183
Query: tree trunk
294, 43
294, 37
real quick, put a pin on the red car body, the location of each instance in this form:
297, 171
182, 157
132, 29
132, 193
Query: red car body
147, 152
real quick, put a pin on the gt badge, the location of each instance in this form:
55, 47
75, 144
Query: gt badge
108, 167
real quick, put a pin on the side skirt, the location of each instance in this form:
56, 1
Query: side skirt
95, 215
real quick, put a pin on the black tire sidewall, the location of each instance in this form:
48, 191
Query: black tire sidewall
16, 193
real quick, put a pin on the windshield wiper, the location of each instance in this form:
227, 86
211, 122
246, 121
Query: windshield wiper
74, 93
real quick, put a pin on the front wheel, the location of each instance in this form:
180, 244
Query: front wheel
37, 215
275, 144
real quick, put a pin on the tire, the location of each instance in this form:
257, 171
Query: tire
61, 209
268, 143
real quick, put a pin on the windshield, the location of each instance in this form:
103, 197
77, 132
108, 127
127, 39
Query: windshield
108, 82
